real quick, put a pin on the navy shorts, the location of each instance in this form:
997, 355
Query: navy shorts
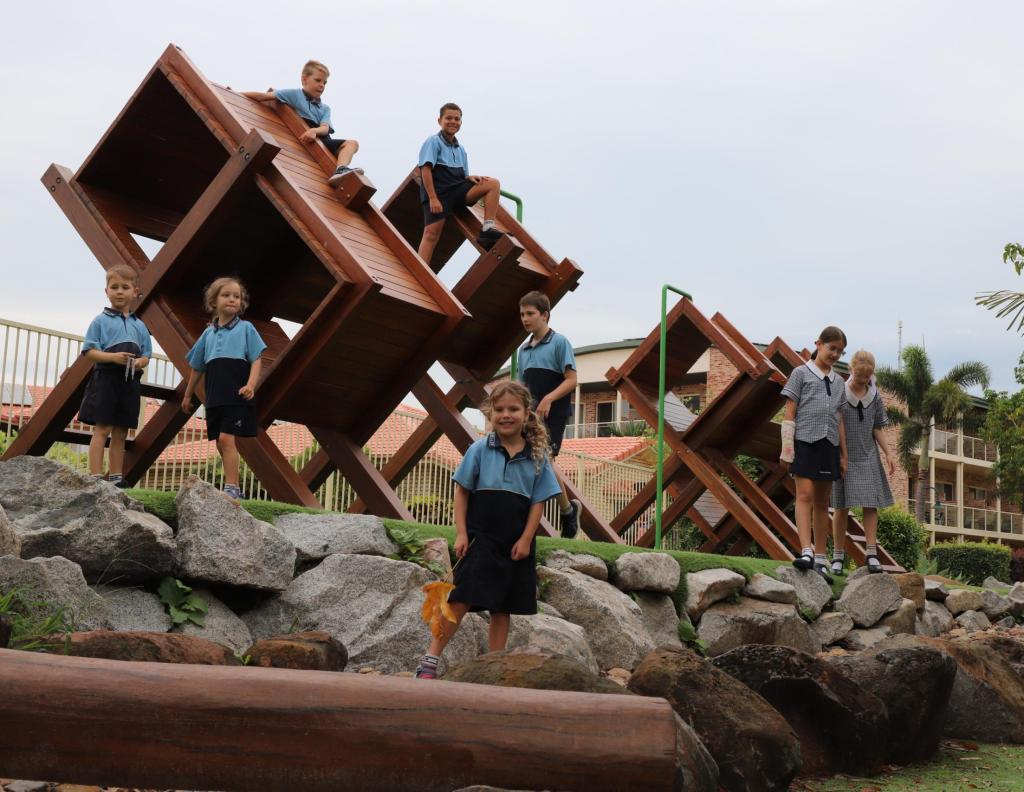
333, 144
817, 460
450, 192
233, 419
110, 399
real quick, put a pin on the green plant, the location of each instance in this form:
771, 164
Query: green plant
688, 635
901, 535
243, 658
182, 603
972, 562
35, 622
410, 548
1007, 302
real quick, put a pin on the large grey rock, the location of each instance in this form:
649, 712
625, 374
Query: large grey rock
765, 587
901, 620
708, 586
49, 584
831, 627
660, 617
368, 603
581, 562
857, 640
220, 542
1016, 598
646, 572
59, 511
867, 599
1006, 622
135, 610
934, 620
317, 536
220, 625
10, 544
613, 622
960, 600
973, 621
727, 625
991, 583
550, 634
812, 592
995, 606
935, 590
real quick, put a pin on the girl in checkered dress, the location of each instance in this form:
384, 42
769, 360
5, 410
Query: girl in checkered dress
813, 444
865, 483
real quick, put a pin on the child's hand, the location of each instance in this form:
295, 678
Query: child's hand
521, 549
308, 136
461, 545
844, 463
435, 206
544, 407
121, 358
186, 404
247, 392
890, 461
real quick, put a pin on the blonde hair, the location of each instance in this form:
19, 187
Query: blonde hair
123, 271
313, 65
534, 431
210, 295
862, 358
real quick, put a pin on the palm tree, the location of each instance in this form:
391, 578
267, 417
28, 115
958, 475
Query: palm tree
924, 404
1005, 301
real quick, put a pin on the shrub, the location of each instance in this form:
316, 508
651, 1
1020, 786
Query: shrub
972, 562
901, 535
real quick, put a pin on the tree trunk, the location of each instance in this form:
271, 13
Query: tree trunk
923, 467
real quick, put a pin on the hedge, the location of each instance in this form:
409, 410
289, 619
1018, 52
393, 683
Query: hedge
972, 562
901, 535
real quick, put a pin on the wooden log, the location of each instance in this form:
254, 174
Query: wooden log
89, 721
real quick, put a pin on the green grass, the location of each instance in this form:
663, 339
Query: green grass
957, 766
162, 505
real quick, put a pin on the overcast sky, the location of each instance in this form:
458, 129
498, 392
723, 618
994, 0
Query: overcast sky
791, 164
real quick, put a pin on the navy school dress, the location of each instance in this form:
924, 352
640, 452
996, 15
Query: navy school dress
501, 491
113, 394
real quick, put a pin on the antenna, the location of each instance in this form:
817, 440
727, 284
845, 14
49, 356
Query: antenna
899, 343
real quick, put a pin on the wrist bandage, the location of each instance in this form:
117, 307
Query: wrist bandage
788, 446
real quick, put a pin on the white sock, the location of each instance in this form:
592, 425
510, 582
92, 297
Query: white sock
871, 549
819, 558
807, 551
839, 555
488, 225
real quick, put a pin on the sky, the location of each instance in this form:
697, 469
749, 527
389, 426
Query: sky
790, 164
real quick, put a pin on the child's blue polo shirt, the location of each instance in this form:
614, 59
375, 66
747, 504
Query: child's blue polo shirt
502, 488
225, 353
113, 331
438, 150
542, 369
306, 106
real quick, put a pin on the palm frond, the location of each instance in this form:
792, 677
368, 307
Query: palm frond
969, 374
892, 380
1004, 302
945, 402
906, 446
896, 416
917, 369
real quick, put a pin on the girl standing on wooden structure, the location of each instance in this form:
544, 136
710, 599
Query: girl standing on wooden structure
501, 486
814, 444
865, 483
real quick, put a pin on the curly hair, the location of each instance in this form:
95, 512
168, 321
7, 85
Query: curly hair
211, 292
534, 430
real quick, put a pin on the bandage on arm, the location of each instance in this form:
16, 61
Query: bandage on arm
788, 446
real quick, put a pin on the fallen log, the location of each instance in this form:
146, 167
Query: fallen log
89, 721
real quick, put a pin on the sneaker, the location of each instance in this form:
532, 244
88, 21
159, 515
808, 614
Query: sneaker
427, 669
805, 561
122, 484
341, 173
571, 521
487, 238
837, 567
233, 491
822, 569
874, 565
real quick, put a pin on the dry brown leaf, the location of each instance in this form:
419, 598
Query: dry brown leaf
436, 607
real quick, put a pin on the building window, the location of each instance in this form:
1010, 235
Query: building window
977, 494
605, 418
691, 402
944, 492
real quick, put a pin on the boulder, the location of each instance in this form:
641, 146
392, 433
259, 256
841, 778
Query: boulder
660, 617
753, 746
867, 599
934, 620
765, 587
435, 551
303, 651
994, 583
551, 634
1009, 647
371, 605
859, 639
10, 544
973, 621
581, 562
727, 625
6, 629
993, 605
135, 610
831, 627
646, 572
220, 542
915, 681
695, 768
220, 625
935, 590
1005, 623
812, 592
1016, 598
531, 667
48, 584
147, 647
613, 622
901, 620
708, 586
841, 726
59, 511
316, 536
911, 587
960, 600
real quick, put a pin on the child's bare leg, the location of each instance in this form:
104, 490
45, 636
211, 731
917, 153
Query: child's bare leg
870, 526
804, 510
497, 635
346, 152
448, 629
490, 191
839, 520
118, 434
229, 454
97, 445
822, 524
431, 234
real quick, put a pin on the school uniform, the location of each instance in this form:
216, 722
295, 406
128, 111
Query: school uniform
542, 369
818, 397
502, 490
865, 482
450, 172
311, 110
113, 394
225, 354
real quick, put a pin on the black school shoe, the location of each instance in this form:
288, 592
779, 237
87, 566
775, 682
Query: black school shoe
571, 521
803, 562
874, 565
486, 239
822, 569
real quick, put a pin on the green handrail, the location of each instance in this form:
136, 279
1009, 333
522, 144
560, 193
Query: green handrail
658, 495
512, 369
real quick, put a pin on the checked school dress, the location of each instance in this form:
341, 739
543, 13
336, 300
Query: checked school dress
865, 483
501, 491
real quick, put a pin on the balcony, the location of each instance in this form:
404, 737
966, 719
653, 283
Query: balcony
944, 517
947, 441
634, 428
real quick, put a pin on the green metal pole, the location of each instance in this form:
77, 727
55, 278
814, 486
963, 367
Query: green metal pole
658, 495
513, 368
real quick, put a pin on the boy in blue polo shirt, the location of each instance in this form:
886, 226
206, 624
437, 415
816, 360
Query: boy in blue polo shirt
227, 355
445, 184
306, 102
547, 366
118, 344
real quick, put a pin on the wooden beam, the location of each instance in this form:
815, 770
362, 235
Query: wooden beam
358, 471
50, 418
158, 432
281, 481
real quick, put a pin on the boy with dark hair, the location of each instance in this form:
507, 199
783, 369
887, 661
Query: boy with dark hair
547, 367
445, 184
306, 102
